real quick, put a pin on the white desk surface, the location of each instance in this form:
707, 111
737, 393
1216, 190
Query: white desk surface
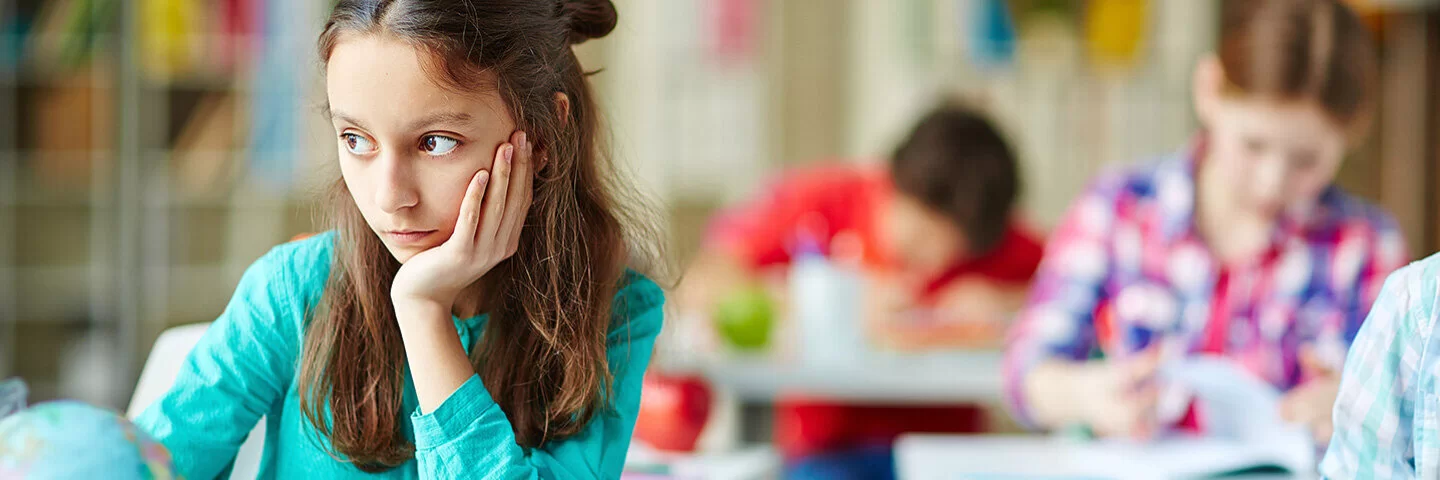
950, 457
751, 463
941, 378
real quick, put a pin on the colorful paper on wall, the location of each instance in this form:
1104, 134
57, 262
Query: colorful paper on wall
1115, 32
735, 26
992, 30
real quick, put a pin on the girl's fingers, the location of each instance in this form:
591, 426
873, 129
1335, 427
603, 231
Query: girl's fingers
1143, 367
518, 206
1311, 364
1143, 404
1323, 431
1289, 409
470, 209
1295, 406
1315, 407
496, 197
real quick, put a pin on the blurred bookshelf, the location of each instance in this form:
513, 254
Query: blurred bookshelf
132, 192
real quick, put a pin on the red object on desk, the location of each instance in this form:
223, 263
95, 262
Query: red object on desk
673, 411
810, 426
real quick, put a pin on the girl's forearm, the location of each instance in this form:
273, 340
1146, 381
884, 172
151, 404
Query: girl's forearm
1050, 394
438, 362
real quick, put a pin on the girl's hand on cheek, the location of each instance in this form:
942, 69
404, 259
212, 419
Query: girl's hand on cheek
487, 232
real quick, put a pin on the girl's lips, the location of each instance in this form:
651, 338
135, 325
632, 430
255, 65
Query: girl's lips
408, 237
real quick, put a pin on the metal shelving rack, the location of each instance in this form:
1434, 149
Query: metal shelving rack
57, 251
90, 274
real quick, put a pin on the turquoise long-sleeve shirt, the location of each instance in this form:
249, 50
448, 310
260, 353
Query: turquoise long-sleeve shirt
246, 367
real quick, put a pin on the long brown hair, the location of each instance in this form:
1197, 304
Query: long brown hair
1301, 50
543, 351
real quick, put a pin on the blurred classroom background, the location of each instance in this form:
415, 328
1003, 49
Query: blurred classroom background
151, 149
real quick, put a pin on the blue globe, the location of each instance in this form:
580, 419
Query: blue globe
73, 440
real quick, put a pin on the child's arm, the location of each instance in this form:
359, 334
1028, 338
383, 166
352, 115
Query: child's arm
1055, 332
972, 314
982, 300
1312, 400
1392, 356
1316, 382
468, 436
238, 370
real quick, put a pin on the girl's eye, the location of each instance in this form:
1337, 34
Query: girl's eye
357, 144
438, 145
1254, 146
1304, 162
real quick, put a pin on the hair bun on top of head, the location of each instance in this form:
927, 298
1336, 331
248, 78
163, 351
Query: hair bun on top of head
588, 18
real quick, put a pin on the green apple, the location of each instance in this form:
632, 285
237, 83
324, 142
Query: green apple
745, 318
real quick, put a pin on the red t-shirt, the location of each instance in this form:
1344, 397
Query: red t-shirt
820, 203
824, 202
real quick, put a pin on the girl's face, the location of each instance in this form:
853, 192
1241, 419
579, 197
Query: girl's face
1273, 154
408, 145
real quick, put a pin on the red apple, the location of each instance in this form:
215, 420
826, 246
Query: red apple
673, 411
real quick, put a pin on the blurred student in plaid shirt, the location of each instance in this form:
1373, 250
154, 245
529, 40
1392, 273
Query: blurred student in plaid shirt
1237, 245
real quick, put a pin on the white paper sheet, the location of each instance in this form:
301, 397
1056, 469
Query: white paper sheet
1242, 422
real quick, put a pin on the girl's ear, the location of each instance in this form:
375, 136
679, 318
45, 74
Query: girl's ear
1208, 85
562, 107
562, 112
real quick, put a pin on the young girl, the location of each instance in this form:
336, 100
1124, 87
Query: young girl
1239, 245
471, 314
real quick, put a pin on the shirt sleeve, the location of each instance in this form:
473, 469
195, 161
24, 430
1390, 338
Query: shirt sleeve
1058, 320
1016, 259
469, 436
1387, 254
1375, 410
237, 372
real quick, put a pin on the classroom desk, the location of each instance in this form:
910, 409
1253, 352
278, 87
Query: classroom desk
749, 463
951, 457
880, 378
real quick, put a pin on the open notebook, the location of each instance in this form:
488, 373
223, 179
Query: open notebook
1195, 458
1244, 436
1244, 431
948, 457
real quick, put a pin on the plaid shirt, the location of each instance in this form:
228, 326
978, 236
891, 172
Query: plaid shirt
1385, 416
1126, 268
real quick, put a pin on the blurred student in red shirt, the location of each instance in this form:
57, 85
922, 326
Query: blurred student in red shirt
935, 233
